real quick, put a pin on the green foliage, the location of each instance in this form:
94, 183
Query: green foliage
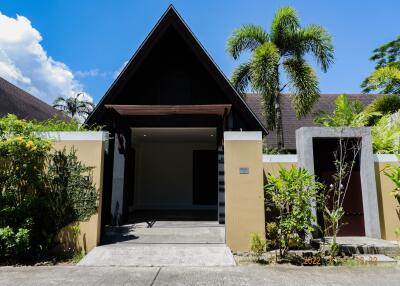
292, 193
385, 136
10, 125
73, 193
282, 50
41, 191
384, 104
272, 234
275, 151
257, 245
386, 77
346, 113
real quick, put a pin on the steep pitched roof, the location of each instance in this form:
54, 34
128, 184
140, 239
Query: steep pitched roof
326, 103
171, 18
14, 100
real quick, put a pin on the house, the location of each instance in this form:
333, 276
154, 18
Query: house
14, 100
183, 144
167, 111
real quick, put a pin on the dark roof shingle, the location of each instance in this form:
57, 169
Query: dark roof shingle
14, 100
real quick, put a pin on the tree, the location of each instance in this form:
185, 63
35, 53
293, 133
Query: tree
283, 49
77, 106
386, 76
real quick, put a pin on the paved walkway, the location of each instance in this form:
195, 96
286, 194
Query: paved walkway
164, 243
254, 275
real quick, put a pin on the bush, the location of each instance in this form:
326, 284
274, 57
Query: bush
272, 234
292, 193
385, 104
41, 191
257, 245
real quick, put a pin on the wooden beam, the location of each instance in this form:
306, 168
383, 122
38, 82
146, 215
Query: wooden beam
207, 109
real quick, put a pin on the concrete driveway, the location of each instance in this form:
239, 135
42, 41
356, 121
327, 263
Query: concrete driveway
251, 275
163, 243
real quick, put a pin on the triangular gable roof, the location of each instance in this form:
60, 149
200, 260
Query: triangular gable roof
172, 18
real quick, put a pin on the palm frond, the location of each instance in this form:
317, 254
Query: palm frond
316, 40
247, 37
264, 77
241, 78
284, 25
304, 85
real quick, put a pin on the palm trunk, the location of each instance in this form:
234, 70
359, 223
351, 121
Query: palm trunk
278, 121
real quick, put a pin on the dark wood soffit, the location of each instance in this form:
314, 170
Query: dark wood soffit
206, 109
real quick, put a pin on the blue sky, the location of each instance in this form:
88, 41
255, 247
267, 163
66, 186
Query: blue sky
94, 38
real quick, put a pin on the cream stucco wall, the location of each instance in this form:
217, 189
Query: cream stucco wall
89, 148
244, 196
388, 217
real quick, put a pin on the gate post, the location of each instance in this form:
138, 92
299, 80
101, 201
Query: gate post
244, 195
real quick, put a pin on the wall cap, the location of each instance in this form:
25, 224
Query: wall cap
386, 158
280, 158
74, 135
243, 136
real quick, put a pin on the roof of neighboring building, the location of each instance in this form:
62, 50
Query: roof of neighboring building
14, 100
290, 122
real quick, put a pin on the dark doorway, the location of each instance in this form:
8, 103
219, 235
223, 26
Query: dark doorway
205, 177
324, 168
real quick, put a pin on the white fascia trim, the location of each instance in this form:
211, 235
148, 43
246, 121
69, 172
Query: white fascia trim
74, 135
386, 158
243, 136
280, 158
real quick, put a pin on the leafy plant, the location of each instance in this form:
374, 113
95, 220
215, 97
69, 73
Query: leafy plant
257, 245
292, 193
385, 136
346, 113
386, 77
282, 50
10, 125
345, 156
40, 191
272, 235
384, 104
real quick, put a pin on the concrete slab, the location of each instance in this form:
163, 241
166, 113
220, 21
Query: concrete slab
251, 275
163, 243
365, 245
164, 232
121, 254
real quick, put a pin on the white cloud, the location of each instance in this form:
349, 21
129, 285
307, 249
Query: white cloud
24, 62
117, 72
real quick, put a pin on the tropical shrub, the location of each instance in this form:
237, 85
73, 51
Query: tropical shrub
292, 193
346, 113
41, 191
10, 124
385, 136
385, 104
257, 245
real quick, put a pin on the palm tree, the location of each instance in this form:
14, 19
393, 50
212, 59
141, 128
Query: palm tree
75, 106
282, 50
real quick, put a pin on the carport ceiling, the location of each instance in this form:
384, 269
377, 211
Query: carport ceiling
173, 135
